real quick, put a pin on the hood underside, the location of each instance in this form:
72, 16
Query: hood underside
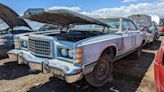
11, 17
60, 17
141, 19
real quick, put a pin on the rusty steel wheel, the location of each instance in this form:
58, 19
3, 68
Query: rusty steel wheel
102, 72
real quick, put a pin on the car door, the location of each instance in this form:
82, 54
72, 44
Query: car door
134, 34
127, 38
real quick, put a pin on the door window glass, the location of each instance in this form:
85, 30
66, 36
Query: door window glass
132, 26
125, 25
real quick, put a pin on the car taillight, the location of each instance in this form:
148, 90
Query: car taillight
159, 56
3, 40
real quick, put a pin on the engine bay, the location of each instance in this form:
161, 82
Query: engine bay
75, 35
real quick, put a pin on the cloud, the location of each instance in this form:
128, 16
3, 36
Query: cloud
128, 1
154, 8
76, 9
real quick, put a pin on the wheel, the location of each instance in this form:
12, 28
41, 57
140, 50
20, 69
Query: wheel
102, 72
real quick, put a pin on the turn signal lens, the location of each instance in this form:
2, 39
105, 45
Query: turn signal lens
79, 56
78, 61
79, 50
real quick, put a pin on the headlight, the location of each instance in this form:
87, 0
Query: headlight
70, 53
64, 52
24, 44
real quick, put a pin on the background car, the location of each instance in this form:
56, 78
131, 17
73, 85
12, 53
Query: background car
159, 69
11, 26
147, 25
87, 48
161, 27
161, 31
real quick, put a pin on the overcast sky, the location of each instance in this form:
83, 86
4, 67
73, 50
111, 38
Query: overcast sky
93, 8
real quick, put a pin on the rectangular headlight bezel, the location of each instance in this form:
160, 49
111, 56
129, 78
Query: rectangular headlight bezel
59, 56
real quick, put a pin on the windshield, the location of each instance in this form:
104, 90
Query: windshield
113, 22
3, 25
37, 26
88, 27
48, 27
34, 25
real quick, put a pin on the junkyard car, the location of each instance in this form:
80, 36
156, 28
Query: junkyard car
146, 25
86, 47
161, 27
161, 31
9, 27
159, 69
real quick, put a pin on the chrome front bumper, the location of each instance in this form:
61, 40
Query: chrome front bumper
61, 69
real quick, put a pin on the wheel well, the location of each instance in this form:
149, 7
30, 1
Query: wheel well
108, 49
143, 41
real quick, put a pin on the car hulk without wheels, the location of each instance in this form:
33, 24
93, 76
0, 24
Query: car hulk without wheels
85, 47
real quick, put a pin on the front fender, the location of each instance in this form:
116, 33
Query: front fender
92, 52
92, 61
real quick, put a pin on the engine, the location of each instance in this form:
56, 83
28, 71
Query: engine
76, 35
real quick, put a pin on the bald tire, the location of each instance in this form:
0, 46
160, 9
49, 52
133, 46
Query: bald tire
102, 72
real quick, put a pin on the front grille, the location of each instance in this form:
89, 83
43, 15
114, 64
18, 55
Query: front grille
41, 47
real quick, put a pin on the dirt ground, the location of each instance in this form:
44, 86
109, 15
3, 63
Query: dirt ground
128, 75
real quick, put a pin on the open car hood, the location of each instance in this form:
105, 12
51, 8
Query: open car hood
11, 17
60, 17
